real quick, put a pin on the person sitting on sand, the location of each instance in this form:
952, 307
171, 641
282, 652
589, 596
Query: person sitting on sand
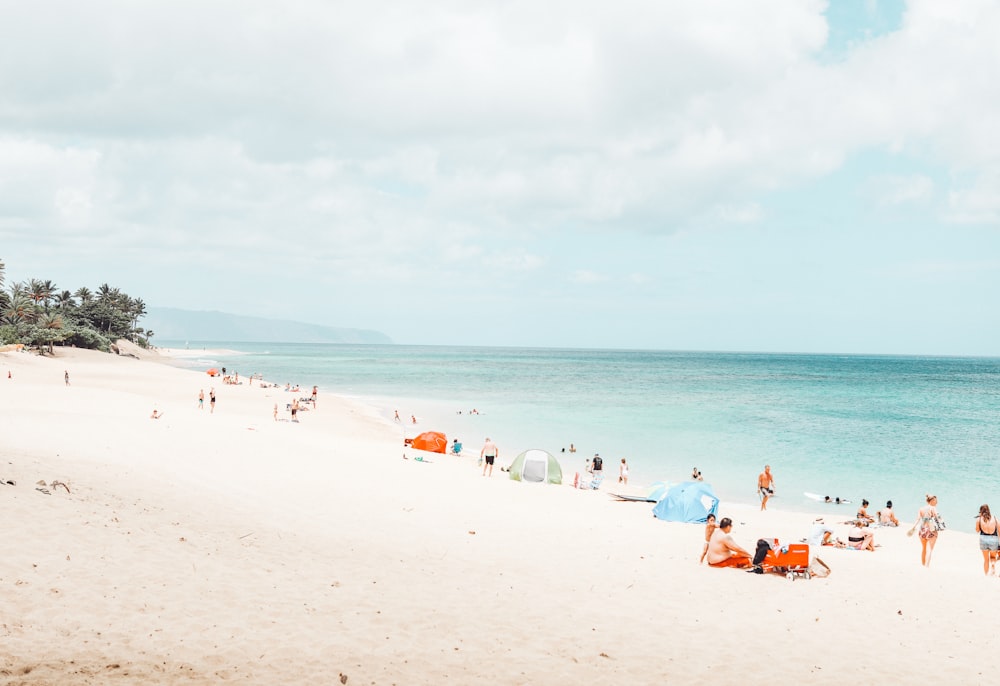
456, 447
709, 530
156, 414
886, 517
860, 537
863, 515
819, 535
722, 549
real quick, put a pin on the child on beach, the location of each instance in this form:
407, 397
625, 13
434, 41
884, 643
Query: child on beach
709, 530
623, 472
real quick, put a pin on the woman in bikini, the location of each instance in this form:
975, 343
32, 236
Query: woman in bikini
989, 541
928, 522
861, 538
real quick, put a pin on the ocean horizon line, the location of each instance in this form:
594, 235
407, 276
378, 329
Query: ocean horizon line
174, 343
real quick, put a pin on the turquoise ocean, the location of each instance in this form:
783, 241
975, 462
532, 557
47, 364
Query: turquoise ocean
853, 426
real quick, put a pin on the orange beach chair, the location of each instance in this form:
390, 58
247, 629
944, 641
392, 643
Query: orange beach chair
791, 560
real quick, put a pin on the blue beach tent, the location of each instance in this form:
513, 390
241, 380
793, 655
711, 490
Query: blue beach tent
657, 490
691, 501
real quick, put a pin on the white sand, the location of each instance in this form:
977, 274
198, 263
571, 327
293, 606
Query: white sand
201, 548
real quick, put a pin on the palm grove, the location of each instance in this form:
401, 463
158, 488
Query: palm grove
37, 313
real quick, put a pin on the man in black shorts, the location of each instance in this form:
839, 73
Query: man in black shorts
489, 454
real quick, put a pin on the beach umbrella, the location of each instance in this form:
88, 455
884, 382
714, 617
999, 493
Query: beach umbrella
213, 372
431, 441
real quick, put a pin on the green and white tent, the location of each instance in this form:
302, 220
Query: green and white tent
538, 466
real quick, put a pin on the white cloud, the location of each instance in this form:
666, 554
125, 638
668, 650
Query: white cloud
979, 202
585, 276
902, 190
364, 141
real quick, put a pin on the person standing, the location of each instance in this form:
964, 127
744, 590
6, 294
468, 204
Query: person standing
929, 523
989, 541
295, 410
597, 469
211, 401
66, 377
489, 454
275, 411
623, 472
314, 393
201, 399
765, 486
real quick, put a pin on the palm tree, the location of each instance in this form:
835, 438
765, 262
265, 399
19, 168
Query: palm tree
48, 292
106, 294
19, 310
137, 309
50, 323
41, 292
64, 300
84, 295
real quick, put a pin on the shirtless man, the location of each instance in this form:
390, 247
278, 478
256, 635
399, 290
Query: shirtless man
722, 549
765, 486
489, 454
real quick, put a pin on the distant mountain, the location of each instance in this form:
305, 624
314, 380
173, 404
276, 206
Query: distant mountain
171, 324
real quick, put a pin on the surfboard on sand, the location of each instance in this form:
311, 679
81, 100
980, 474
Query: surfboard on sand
822, 499
633, 498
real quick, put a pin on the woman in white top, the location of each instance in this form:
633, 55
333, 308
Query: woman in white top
989, 542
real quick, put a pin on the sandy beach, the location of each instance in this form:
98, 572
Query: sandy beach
208, 547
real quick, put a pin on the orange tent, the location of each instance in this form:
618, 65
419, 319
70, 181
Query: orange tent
431, 441
213, 372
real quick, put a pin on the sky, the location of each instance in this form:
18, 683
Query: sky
776, 175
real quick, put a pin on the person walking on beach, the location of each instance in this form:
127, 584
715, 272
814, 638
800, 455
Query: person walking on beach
489, 454
295, 410
315, 391
275, 411
66, 377
201, 399
597, 469
623, 472
765, 486
929, 523
211, 401
989, 541
396, 418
